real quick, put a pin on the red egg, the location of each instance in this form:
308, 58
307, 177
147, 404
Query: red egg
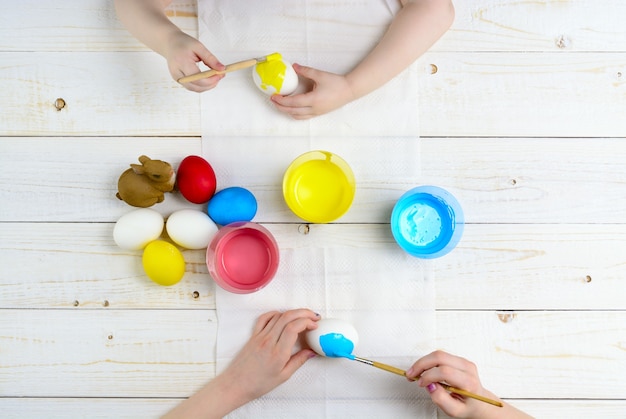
196, 179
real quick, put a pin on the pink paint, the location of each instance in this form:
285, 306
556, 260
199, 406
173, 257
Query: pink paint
242, 257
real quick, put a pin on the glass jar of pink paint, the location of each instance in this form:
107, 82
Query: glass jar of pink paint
242, 257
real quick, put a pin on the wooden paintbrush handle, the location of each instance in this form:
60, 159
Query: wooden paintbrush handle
230, 67
466, 393
449, 388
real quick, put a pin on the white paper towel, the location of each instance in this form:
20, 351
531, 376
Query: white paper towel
355, 273
331, 36
350, 271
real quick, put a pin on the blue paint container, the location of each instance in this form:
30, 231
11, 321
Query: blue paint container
427, 222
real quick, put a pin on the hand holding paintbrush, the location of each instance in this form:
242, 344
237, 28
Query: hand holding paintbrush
447, 387
441, 373
229, 68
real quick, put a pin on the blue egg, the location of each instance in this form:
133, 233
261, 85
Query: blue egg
232, 204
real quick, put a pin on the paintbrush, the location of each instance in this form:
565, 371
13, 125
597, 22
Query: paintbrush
230, 67
398, 371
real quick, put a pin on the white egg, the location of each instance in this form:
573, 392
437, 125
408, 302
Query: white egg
191, 229
333, 336
275, 77
134, 230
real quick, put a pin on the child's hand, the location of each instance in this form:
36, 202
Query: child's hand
268, 359
329, 92
440, 366
183, 53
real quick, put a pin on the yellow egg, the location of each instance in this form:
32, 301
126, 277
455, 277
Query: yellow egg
163, 263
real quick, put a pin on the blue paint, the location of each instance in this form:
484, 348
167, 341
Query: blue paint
427, 222
336, 345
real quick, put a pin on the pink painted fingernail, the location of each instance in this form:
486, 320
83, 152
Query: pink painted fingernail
431, 387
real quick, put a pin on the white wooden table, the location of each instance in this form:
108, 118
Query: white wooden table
522, 117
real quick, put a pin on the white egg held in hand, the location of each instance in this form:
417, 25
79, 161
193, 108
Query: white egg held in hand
275, 76
333, 338
134, 230
191, 229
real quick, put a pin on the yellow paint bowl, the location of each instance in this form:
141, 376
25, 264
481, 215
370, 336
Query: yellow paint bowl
319, 186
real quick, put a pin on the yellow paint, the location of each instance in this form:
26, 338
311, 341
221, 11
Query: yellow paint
319, 191
272, 72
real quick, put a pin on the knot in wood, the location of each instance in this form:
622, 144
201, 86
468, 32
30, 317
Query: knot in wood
506, 316
59, 104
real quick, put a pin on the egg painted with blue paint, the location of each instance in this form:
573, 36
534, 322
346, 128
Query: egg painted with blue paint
333, 338
231, 205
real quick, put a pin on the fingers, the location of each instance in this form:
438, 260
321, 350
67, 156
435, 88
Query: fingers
204, 84
307, 72
298, 106
184, 62
291, 323
451, 375
288, 324
209, 59
263, 321
302, 100
437, 358
447, 402
298, 360
440, 366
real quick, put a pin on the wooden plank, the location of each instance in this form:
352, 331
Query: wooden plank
471, 94
169, 353
75, 179
485, 25
530, 180
571, 409
79, 25
540, 266
541, 354
120, 408
496, 180
530, 94
80, 266
513, 25
104, 93
509, 266
151, 408
106, 353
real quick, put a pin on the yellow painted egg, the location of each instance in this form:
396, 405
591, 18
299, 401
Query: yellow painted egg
275, 76
163, 263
